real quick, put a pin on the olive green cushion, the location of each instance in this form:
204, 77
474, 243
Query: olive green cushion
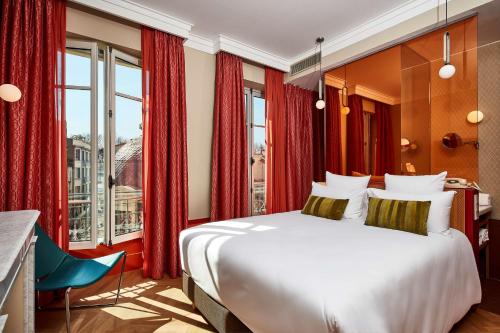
410, 216
332, 209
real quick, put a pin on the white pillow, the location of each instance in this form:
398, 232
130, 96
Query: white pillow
415, 184
356, 202
347, 184
438, 220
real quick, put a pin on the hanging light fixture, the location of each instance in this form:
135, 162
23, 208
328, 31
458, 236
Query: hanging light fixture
10, 93
345, 95
447, 70
320, 103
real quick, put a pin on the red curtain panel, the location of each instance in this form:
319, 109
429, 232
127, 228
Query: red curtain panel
333, 154
299, 108
384, 149
355, 147
165, 180
276, 138
33, 171
318, 139
229, 147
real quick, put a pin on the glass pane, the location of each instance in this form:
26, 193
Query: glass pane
259, 171
128, 79
259, 111
78, 158
77, 67
128, 166
101, 216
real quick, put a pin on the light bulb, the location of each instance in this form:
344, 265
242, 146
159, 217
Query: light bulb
10, 93
446, 71
475, 117
320, 104
345, 110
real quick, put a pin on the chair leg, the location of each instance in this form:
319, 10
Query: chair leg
68, 324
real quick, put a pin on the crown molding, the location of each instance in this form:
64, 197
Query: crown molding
389, 19
362, 91
252, 53
140, 14
201, 44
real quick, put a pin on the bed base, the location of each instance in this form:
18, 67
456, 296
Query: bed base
215, 313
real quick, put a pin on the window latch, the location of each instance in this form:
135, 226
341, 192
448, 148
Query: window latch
111, 182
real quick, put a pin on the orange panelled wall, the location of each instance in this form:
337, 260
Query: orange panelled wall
451, 101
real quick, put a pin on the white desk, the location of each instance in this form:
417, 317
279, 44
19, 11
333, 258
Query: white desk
17, 270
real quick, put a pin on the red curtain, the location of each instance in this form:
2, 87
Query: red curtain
355, 146
276, 139
299, 108
164, 152
33, 171
318, 142
229, 147
333, 158
384, 149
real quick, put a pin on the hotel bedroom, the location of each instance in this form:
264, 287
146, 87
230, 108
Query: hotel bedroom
191, 166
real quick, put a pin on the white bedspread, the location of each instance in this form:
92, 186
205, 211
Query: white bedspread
296, 273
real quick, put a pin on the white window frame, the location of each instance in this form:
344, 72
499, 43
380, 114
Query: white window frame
92, 47
249, 95
110, 137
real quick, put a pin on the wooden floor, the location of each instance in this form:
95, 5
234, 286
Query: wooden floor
160, 306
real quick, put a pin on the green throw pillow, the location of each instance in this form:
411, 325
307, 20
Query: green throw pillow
410, 216
332, 209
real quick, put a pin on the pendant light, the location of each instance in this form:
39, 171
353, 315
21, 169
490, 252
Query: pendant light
447, 70
10, 93
345, 95
320, 103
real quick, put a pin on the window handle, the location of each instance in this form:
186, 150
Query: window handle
111, 182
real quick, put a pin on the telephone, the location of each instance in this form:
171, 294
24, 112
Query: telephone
456, 182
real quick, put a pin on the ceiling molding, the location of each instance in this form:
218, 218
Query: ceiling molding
362, 91
251, 53
389, 19
201, 43
140, 14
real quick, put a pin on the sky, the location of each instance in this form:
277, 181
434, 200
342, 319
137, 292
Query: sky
128, 114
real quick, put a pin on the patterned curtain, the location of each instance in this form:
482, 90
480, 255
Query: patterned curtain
276, 140
165, 182
333, 131
299, 107
355, 145
229, 147
33, 171
384, 149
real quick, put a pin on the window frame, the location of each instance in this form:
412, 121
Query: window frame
92, 47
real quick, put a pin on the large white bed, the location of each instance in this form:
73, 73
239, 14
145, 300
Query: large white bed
291, 272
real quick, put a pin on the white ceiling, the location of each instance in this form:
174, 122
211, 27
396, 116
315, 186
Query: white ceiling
283, 28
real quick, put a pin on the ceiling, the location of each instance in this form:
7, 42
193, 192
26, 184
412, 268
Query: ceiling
283, 28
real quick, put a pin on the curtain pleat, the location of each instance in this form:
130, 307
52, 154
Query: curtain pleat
276, 201
33, 171
318, 138
355, 146
384, 148
229, 197
164, 168
333, 155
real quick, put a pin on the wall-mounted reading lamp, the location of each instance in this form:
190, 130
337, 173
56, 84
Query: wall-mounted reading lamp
10, 93
453, 141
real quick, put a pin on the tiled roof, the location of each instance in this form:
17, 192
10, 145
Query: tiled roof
132, 150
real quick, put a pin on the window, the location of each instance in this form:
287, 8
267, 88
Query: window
256, 129
105, 195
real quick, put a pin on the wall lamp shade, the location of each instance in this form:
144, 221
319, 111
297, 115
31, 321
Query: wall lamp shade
320, 104
10, 93
475, 117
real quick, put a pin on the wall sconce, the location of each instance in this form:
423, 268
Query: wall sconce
406, 145
453, 141
475, 117
10, 93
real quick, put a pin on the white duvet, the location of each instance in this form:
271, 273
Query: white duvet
296, 273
